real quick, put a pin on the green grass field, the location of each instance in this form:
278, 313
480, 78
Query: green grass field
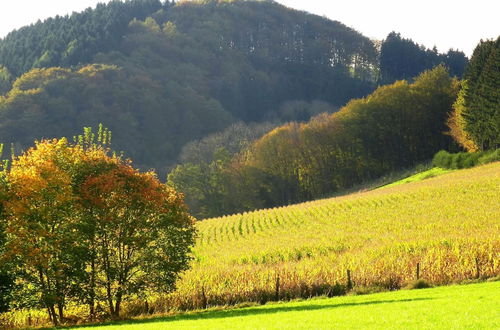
474, 306
433, 172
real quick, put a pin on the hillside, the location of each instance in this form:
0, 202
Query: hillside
162, 74
448, 224
396, 126
168, 74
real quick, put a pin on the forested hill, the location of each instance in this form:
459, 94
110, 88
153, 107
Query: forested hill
162, 74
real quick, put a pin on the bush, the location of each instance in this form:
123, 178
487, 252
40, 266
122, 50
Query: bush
489, 157
419, 284
461, 160
442, 159
457, 160
471, 160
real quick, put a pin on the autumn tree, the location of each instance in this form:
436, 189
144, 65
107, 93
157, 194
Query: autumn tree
83, 225
141, 233
456, 121
397, 126
279, 153
42, 220
6, 276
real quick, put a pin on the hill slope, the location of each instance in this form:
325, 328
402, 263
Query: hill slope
174, 74
448, 224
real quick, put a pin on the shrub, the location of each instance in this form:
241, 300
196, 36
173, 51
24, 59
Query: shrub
461, 160
442, 159
457, 160
419, 284
471, 160
489, 157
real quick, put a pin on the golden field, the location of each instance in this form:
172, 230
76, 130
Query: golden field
449, 225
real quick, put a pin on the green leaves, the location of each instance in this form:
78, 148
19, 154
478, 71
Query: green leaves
395, 127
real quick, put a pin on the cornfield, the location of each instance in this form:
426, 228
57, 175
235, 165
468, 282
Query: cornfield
449, 226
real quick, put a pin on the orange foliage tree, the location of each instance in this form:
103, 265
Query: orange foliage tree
84, 225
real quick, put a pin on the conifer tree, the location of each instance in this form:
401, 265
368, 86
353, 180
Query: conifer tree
482, 99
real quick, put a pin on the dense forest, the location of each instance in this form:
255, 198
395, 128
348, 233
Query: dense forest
397, 126
162, 74
402, 58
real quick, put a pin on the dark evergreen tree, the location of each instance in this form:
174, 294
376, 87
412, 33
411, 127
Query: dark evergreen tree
482, 98
402, 58
70, 40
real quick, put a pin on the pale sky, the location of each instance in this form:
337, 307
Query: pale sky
442, 23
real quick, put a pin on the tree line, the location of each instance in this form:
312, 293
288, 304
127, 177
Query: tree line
402, 58
397, 126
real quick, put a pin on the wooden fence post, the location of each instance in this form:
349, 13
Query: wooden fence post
418, 271
204, 302
349, 282
277, 287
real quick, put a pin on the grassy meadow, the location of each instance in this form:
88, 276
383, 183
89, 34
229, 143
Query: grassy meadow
472, 306
431, 173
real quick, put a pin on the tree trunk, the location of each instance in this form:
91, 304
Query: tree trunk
50, 315
92, 292
59, 299
107, 267
110, 299
60, 308
118, 303
52, 311
45, 291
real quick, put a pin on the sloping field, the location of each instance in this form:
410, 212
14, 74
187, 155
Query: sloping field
455, 307
448, 225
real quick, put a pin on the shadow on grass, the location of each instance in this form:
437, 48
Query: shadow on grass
249, 311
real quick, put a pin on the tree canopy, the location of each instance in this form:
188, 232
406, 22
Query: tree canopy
402, 58
168, 74
84, 226
161, 75
397, 126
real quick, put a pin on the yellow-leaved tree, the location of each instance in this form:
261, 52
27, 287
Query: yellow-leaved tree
84, 226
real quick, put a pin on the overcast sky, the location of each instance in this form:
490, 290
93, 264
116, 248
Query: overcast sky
442, 23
